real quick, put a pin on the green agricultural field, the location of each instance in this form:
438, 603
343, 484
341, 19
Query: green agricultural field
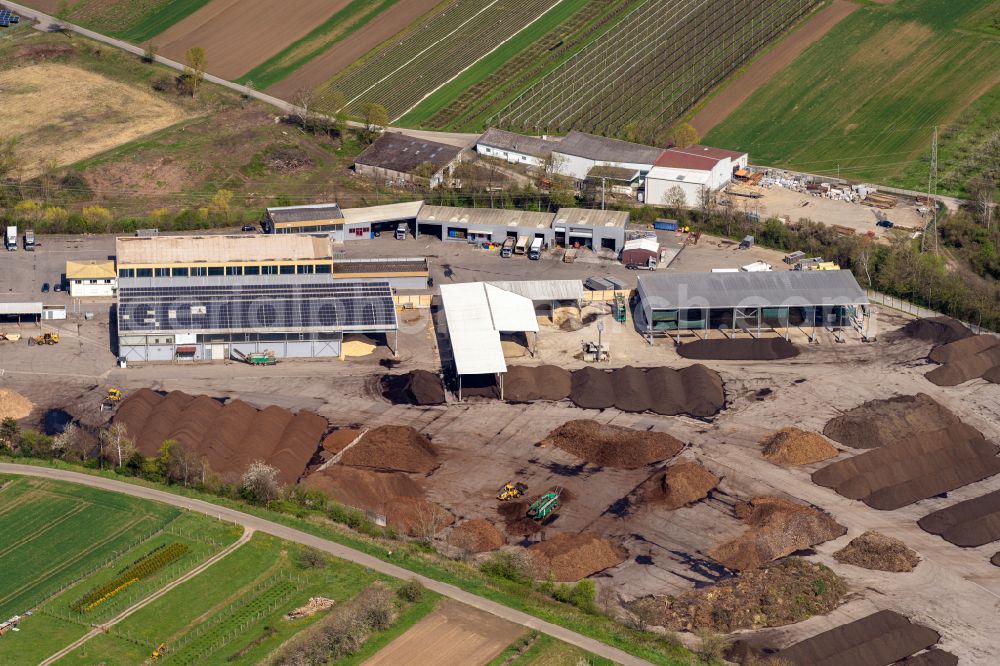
863, 101
233, 611
544, 650
343, 23
135, 20
55, 533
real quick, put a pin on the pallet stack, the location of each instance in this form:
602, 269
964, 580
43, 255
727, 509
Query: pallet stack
880, 200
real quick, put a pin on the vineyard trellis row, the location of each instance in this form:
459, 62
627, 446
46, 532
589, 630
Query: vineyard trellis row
144, 567
654, 64
414, 67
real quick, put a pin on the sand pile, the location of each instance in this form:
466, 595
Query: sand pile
791, 446
969, 524
742, 349
752, 600
571, 557
514, 515
524, 383
965, 360
935, 657
875, 640
362, 488
392, 448
778, 528
613, 446
338, 440
876, 551
14, 405
357, 345
228, 436
939, 330
683, 483
418, 387
477, 536
882, 422
924, 450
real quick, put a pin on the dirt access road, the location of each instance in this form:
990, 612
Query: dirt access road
335, 549
778, 56
453, 635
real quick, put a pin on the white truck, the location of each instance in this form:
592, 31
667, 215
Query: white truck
29, 240
535, 251
10, 240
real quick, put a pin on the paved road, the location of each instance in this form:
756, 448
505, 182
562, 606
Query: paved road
335, 549
46, 22
142, 603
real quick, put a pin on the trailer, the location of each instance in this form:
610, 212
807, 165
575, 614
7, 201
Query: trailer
10, 240
256, 358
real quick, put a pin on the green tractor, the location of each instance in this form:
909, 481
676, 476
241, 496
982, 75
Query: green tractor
545, 506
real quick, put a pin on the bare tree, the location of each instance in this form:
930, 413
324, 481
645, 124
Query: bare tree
983, 190
260, 482
303, 99
117, 443
706, 200
72, 442
676, 198
429, 518
184, 464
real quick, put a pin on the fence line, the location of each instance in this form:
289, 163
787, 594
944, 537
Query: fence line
878, 298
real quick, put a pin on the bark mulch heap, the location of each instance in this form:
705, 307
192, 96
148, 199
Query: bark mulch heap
571, 557
964, 360
229, 436
923, 450
418, 387
393, 448
777, 528
969, 524
685, 482
878, 639
876, 551
477, 536
515, 518
694, 390
787, 592
524, 383
338, 440
935, 657
791, 446
939, 330
613, 446
742, 349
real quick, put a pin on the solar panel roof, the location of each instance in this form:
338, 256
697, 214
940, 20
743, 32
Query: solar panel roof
347, 306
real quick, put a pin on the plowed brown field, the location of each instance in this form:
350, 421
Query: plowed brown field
238, 35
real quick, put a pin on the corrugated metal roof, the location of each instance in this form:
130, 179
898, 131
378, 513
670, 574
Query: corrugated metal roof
398, 152
650, 244
407, 210
543, 290
485, 217
603, 149
165, 250
587, 217
626, 174
727, 290
92, 269
311, 213
476, 313
22, 309
518, 143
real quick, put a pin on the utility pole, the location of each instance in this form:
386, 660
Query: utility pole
931, 229
603, 181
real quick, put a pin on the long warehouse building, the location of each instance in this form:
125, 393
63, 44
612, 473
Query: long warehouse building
216, 297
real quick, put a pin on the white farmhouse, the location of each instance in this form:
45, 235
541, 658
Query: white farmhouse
515, 148
693, 170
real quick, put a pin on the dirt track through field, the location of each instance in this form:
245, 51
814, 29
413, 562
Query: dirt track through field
349, 49
760, 72
238, 35
453, 635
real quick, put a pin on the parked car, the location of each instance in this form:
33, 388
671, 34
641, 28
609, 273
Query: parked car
248, 227
57, 287
45, 287
884, 223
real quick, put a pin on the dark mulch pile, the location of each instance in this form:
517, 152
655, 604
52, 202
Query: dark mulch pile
939, 330
971, 523
742, 349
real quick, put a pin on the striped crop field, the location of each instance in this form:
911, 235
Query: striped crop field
402, 73
136, 21
654, 64
55, 533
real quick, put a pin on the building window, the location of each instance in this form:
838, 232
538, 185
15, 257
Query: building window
126, 273
286, 269
216, 271
251, 270
234, 270
162, 272
198, 271
324, 268
305, 268
144, 272
179, 272
268, 270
